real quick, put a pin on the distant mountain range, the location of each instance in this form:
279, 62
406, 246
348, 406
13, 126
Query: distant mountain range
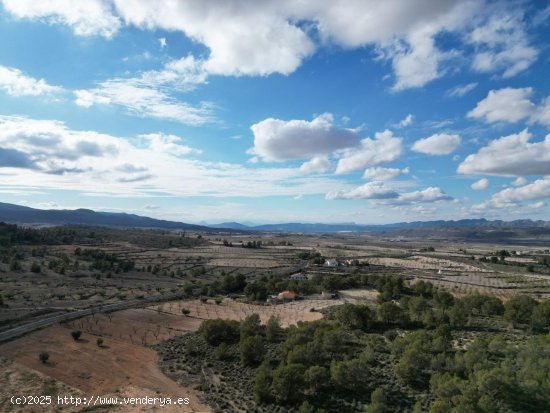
347, 227
24, 215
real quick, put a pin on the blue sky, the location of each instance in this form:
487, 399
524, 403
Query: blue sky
277, 111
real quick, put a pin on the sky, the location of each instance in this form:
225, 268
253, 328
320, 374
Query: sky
334, 111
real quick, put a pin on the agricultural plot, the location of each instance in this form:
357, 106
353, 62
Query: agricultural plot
288, 313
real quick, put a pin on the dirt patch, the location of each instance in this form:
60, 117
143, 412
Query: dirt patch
118, 367
288, 313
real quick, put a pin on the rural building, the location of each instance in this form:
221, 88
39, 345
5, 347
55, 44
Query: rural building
331, 263
286, 296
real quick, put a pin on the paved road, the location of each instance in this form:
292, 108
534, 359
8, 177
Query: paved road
107, 308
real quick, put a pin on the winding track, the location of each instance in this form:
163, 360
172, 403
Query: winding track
72, 315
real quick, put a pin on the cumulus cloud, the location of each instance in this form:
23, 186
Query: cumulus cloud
379, 173
389, 196
319, 164
279, 140
370, 190
428, 195
50, 146
512, 105
244, 38
170, 144
483, 183
49, 155
519, 181
15, 83
438, 144
511, 155
506, 105
86, 18
535, 191
384, 148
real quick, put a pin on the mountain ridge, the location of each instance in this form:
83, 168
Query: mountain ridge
20, 214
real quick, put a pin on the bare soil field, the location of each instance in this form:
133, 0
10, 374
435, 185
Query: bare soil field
288, 313
117, 367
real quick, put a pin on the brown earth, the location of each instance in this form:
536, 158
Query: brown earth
120, 366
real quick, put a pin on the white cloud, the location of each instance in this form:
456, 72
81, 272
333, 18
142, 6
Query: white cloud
483, 183
48, 146
428, 195
389, 196
507, 105
279, 140
244, 38
536, 205
519, 181
169, 144
502, 44
535, 191
370, 190
86, 18
379, 173
384, 148
512, 105
162, 42
461, 90
511, 155
46, 154
438, 144
15, 83
319, 164
144, 100
408, 120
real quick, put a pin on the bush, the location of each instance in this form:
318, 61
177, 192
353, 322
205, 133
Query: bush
220, 331
273, 330
99, 342
35, 267
540, 320
355, 316
251, 326
44, 357
252, 350
222, 352
185, 311
75, 334
262, 383
518, 309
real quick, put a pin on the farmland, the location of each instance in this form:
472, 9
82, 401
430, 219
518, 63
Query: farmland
147, 293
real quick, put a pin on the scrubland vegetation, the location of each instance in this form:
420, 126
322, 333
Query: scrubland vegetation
419, 349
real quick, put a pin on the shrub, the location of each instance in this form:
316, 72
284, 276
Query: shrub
252, 350
355, 316
518, 309
273, 330
222, 352
185, 311
251, 326
99, 342
44, 357
76, 334
220, 331
35, 267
